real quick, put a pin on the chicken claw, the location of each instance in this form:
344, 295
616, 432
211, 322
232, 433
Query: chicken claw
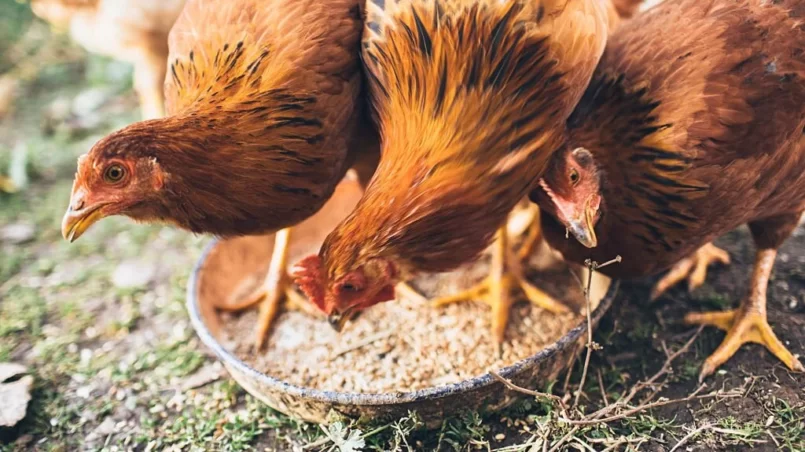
748, 323
741, 327
495, 289
694, 268
278, 287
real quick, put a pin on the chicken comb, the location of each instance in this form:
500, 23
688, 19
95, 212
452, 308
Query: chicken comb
308, 276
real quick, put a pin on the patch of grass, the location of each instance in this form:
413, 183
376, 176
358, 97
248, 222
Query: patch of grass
176, 359
12, 260
23, 311
789, 424
468, 428
226, 420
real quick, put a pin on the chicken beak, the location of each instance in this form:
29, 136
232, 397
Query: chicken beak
77, 221
337, 319
584, 228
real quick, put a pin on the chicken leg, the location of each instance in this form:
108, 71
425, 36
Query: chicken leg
748, 323
277, 287
533, 238
505, 272
694, 268
149, 77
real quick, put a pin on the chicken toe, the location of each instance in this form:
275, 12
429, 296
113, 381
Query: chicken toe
495, 290
748, 323
693, 268
741, 327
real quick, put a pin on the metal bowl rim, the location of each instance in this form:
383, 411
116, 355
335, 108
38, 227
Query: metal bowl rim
375, 399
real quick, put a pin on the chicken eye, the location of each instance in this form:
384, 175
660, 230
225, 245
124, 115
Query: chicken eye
114, 173
347, 287
574, 177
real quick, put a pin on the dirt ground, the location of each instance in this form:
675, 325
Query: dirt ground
101, 325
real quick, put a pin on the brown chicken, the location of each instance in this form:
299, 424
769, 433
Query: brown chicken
265, 115
470, 95
693, 125
135, 31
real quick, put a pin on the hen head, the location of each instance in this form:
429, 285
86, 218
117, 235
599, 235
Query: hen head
571, 190
343, 293
112, 181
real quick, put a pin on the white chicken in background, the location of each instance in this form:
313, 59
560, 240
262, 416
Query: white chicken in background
135, 31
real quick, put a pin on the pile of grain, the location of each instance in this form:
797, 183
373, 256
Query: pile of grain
405, 345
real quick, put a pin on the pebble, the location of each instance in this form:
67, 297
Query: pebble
130, 403
133, 274
105, 428
18, 233
84, 391
207, 374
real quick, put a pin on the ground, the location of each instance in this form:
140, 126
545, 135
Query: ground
117, 366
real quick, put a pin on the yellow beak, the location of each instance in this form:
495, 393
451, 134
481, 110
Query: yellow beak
338, 320
584, 228
75, 223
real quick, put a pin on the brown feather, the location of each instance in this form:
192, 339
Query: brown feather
470, 97
264, 106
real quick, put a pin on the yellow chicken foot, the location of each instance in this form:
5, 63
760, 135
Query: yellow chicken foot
748, 323
495, 289
278, 287
693, 268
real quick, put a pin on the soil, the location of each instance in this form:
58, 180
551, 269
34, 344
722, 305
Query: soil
634, 329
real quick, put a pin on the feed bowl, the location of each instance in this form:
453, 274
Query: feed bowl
229, 268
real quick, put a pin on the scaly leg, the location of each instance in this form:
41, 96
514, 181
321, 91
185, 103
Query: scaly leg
504, 273
694, 268
278, 287
748, 323
533, 238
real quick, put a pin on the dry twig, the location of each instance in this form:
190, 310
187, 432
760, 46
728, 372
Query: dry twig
530, 392
592, 266
690, 435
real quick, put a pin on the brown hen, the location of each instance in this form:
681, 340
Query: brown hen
470, 96
693, 125
265, 115
135, 31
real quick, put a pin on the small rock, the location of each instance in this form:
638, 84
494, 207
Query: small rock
207, 374
15, 395
133, 274
84, 391
18, 233
130, 403
106, 428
